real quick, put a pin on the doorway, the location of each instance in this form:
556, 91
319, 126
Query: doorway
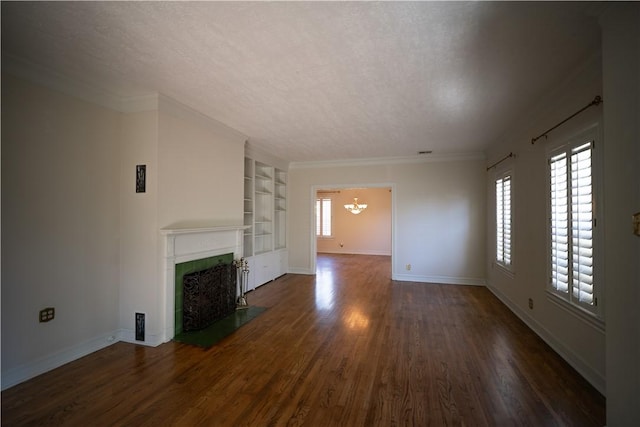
369, 232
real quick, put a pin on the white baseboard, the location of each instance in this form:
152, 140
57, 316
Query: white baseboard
378, 253
447, 280
591, 375
129, 335
47, 363
306, 271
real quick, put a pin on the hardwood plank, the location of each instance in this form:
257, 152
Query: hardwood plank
346, 347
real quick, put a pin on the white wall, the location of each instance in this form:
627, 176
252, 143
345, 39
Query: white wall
610, 362
438, 217
139, 238
580, 342
621, 72
60, 221
201, 169
76, 234
369, 232
195, 169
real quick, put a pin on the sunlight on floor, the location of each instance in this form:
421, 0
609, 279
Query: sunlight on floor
325, 291
355, 319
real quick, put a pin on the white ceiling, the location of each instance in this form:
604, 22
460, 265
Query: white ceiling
312, 81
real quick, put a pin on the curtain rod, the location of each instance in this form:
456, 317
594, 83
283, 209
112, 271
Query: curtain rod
596, 101
500, 161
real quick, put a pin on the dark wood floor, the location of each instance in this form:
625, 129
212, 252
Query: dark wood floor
349, 347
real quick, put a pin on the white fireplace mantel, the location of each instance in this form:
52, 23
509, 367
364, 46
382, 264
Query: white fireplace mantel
188, 244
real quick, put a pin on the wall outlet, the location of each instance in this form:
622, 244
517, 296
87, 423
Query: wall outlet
140, 326
408, 267
47, 314
530, 303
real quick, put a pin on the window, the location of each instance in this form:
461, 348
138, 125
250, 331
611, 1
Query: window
503, 220
323, 217
572, 224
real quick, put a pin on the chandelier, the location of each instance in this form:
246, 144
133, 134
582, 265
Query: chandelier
355, 207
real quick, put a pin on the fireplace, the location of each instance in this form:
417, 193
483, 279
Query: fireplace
184, 245
208, 295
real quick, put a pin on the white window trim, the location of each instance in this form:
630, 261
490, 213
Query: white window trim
592, 315
576, 310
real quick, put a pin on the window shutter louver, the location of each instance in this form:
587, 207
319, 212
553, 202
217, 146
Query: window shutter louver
318, 217
507, 220
323, 217
559, 224
503, 220
571, 223
582, 223
326, 217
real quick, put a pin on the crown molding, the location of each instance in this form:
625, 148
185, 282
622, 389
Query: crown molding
260, 155
430, 158
177, 109
52, 79
138, 104
49, 78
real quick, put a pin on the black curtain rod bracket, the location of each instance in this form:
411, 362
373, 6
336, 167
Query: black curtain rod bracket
596, 101
500, 161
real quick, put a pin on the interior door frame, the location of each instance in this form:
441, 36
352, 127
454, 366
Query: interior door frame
313, 251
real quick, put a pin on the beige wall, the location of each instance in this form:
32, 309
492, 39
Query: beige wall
78, 237
61, 227
621, 79
201, 169
195, 169
438, 215
139, 241
580, 342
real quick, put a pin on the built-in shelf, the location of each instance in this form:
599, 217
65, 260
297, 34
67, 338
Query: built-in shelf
265, 243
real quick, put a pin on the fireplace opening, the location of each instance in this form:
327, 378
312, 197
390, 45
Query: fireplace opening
208, 295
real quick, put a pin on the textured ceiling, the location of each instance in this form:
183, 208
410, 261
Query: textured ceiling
313, 81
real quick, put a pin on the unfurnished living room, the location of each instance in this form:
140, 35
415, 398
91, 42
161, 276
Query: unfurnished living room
320, 213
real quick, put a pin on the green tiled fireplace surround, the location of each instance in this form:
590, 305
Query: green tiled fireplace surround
191, 267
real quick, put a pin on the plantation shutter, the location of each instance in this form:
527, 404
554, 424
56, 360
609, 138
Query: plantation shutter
503, 220
559, 223
326, 217
318, 217
572, 221
323, 217
582, 223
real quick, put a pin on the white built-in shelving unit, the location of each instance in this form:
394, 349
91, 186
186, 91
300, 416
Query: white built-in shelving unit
280, 209
265, 212
248, 207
